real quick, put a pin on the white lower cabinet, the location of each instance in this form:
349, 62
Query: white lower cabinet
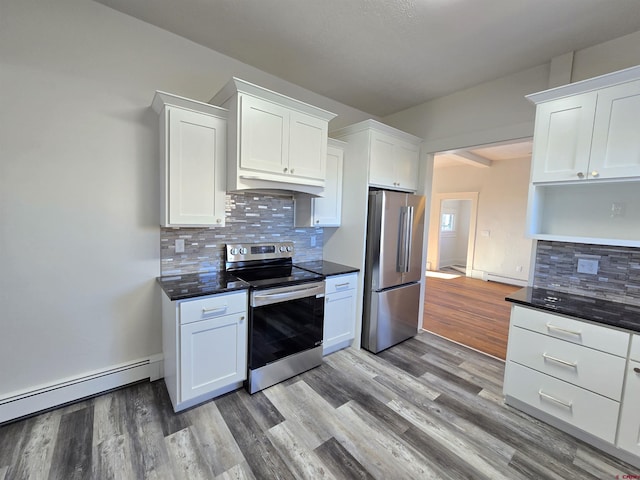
629, 434
339, 312
583, 375
204, 346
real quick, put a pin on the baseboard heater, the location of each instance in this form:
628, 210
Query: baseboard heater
27, 402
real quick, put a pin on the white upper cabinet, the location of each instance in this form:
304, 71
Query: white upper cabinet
393, 156
275, 142
192, 161
393, 163
324, 211
588, 130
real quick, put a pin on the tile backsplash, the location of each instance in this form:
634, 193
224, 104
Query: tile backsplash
250, 218
618, 276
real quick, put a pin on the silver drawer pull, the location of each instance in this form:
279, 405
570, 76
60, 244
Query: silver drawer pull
637, 370
558, 360
554, 399
210, 311
563, 330
340, 285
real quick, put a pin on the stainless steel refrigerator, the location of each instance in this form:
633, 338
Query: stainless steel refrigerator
393, 268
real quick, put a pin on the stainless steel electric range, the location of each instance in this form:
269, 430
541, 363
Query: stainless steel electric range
286, 312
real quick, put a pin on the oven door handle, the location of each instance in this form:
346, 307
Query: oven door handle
259, 299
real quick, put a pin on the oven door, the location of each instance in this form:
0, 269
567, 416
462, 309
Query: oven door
285, 321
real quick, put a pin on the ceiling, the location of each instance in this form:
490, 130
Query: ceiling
485, 155
383, 56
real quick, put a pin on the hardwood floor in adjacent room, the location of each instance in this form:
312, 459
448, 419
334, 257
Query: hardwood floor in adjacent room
425, 409
469, 311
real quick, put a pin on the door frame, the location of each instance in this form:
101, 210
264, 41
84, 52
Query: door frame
433, 253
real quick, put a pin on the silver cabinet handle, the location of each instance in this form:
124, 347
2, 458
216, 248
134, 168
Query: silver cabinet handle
292, 171
580, 175
595, 174
210, 311
563, 330
558, 360
569, 405
637, 370
340, 285
285, 169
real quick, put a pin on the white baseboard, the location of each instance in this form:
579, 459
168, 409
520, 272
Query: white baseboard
492, 277
26, 402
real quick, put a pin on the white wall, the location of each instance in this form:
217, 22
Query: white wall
502, 204
497, 110
79, 194
616, 54
490, 112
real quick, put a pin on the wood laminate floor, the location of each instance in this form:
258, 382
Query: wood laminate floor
469, 311
424, 409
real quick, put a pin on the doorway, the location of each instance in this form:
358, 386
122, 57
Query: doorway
452, 232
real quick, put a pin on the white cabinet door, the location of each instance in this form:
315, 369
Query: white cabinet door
629, 433
393, 163
615, 151
562, 138
339, 312
194, 168
381, 161
307, 146
327, 210
264, 136
213, 354
406, 165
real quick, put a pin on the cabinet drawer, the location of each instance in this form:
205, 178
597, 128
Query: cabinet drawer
575, 331
340, 283
591, 369
635, 348
213, 306
585, 410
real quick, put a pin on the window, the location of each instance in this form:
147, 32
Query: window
447, 222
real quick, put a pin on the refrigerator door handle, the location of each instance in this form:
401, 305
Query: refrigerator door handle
402, 241
408, 238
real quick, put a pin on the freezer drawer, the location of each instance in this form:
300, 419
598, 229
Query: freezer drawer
391, 317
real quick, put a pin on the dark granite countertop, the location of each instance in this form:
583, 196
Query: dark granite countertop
180, 287
328, 269
616, 314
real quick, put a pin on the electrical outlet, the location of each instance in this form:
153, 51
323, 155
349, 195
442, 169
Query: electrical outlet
179, 245
617, 209
313, 240
588, 266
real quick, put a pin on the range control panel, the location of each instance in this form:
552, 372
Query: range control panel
258, 251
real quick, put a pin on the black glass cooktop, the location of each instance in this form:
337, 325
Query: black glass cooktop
280, 276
